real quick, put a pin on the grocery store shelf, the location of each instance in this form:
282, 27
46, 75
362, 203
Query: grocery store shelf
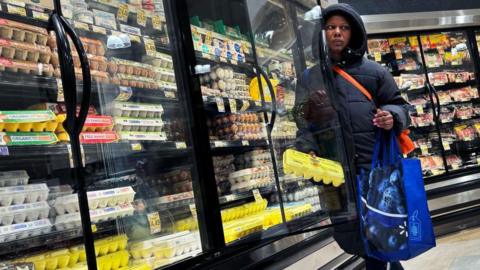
214, 60
449, 86
241, 104
221, 145
236, 198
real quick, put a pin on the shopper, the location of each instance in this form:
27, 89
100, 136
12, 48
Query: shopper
359, 117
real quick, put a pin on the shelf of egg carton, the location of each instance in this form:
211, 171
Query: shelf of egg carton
247, 195
104, 205
171, 201
111, 254
165, 250
241, 105
251, 178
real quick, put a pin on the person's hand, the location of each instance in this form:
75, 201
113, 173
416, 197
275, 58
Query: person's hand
383, 119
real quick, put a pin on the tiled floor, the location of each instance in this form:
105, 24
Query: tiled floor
459, 251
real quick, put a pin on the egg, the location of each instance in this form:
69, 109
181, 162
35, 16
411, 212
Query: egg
213, 75
129, 70
233, 118
234, 128
124, 82
220, 73
112, 67
141, 84
221, 85
121, 68
137, 71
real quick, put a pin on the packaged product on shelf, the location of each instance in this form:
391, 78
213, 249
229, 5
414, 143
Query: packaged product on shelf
97, 76
418, 101
143, 110
465, 133
24, 230
460, 76
438, 78
15, 195
433, 60
105, 19
464, 94
284, 130
91, 46
27, 138
138, 124
244, 126
142, 136
59, 191
23, 32
26, 67
135, 81
248, 179
163, 74
12, 49
161, 60
96, 62
422, 120
121, 66
446, 115
454, 161
95, 137
223, 81
253, 159
14, 178
444, 97
464, 112
25, 121
407, 64
21, 213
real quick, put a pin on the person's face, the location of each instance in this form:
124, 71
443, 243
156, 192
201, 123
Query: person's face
338, 32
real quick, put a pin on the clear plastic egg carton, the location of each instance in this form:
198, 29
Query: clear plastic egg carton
223, 160
96, 199
14, 178
166, 75
24, 230
138, 124
23, 32
24, 51
23, 194
23, 212
161, 60
142, 110
246, 175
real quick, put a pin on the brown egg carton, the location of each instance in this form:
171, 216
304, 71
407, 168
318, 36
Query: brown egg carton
12, 49
26, 67
23, 32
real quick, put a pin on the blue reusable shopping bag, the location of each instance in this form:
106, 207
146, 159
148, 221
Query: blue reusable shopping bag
395, 221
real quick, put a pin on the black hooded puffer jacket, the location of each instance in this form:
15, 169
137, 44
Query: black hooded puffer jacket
354, 111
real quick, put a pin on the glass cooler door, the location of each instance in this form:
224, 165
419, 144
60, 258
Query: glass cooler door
450, 70
245, 65
135, 142
40, 224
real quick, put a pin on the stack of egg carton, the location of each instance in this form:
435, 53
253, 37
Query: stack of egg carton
104, 205
165, 249
23, 207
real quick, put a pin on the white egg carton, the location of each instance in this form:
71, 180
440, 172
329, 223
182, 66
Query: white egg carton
23, 194
96, 199
142, 136
59, 191
24, 230
142, 110
138, 124
24, 212
249, 174
71, 221
252, 184
14, 178
161, 60
166, 75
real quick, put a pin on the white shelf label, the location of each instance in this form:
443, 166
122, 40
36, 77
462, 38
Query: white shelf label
220, 144
233, 105
220, 104
424, 149
245, 143
136, 147
419, 109
180, 145
446, 146
169, 94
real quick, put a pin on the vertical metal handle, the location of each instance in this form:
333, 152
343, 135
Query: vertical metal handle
273, 98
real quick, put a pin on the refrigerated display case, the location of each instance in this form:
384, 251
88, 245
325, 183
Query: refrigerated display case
126, 145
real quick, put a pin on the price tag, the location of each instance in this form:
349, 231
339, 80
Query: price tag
245, 105
94, 228
398, 54
136, 147
233, 105
125, 93
156, 23
60, 97
154, 222
99, 30
4, 151
141, 18
180, 145
169, 94
150, 46
122, 13
135, 38
245, 143
258, 103
208, 38
419, 109
378, 56
446, 146
16, 10
193, 210
81, 25
455, 166
40, 15
220, 104
424, 149
478, 161
257, 195
219, 144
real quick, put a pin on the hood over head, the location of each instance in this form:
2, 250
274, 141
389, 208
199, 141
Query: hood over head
357, 46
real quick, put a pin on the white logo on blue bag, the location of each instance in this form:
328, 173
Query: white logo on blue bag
415, 227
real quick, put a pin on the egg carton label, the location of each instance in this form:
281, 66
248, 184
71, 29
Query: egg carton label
26, 116
27, 138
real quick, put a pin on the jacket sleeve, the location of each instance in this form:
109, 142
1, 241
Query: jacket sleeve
389, 99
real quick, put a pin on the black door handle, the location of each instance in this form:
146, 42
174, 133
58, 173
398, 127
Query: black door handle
273, 98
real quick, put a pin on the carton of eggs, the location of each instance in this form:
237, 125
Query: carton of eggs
24, 212
142, 110
24, 230
13, 178
23, 194
138, 124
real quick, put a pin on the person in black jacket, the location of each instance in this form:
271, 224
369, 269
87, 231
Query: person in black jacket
318, 113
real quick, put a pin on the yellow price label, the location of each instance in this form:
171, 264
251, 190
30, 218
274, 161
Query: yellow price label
150, 46
141, 18
156, 22
220, 104
81, 25
208, 38
245, 105
40, 15
154, 222
135, 38
233, 105
136, 146
16, 10
99, 30
398, 54
122, 13
94, 228
257, 195
378, 56
446, 146
424, 149
245, 143
419, 109
180, 145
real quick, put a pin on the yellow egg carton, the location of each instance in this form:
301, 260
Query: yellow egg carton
27, 121
187, 224
237, 229
140, 266
93, 123
113, 261
243, 210
320, 169
52, 260
111, 244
